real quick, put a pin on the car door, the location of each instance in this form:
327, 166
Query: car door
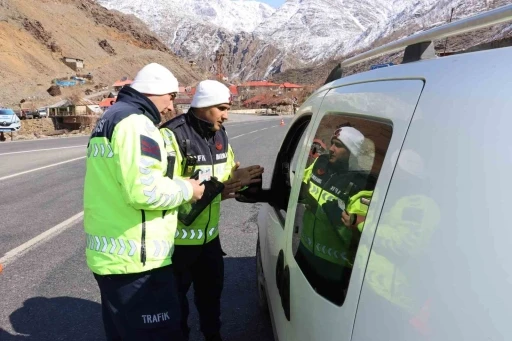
318, 265
272, 216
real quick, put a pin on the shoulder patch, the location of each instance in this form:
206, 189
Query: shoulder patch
149, 147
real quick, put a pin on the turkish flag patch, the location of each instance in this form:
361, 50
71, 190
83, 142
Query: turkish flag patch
218, 146
320, 171
149, 147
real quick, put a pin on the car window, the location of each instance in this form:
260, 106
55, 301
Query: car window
295, 158
341, 172
6, 112
286, 165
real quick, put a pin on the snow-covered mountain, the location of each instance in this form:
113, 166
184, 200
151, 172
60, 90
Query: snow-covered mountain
419, 15
320, 29
233, 16
259, 40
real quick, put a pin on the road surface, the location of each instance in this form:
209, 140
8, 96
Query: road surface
46, 289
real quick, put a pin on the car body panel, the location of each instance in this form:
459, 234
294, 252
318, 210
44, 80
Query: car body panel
434, 259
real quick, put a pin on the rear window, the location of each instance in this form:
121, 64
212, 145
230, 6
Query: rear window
6, 112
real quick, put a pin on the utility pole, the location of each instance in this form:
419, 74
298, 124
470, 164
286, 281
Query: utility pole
219, 56
446, 40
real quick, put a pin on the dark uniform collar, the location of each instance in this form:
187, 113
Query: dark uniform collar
202, 127
135, 98
340, 167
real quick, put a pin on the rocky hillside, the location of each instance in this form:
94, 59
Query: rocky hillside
246, 56
35, 35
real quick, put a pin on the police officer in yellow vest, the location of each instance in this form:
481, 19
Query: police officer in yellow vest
198, 141
130, 212
328, 245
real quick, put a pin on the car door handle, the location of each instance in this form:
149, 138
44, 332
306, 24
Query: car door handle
279, 270
285, 292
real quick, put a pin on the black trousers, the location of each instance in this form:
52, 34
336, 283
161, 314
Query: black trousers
202, 266
141, 306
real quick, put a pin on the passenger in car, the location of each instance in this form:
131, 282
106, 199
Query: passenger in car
330, 235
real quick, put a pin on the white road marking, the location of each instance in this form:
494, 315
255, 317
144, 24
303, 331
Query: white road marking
45, 236
244, 123
239, 123
41, 150
44, 167
48, 139
251, 132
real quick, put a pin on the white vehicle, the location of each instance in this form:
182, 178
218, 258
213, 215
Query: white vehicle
42, 112
9, 121
427, 253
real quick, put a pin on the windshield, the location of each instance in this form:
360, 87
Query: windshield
6, 112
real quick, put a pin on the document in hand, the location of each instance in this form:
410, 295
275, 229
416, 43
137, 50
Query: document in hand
187, 213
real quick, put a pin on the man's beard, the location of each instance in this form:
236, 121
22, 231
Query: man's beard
338, 164
167, 115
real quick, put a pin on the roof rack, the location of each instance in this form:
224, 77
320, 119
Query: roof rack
419, 46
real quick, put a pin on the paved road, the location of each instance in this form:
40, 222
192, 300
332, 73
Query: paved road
46, 290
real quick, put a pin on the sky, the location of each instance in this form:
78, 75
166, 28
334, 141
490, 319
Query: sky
274, 3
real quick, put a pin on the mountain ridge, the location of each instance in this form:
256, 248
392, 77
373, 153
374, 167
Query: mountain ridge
300, 33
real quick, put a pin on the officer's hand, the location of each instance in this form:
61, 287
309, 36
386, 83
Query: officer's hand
197, 189
309, 202
345, 218
231, 186
356, 220
248, 175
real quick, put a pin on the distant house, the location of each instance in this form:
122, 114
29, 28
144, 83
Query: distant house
188, 92
106, 103
76, 64
77, 108
181, 105
234, 90
287, 87
254, 102
235, 96
118, 85
268, 100
258, 85
191, 91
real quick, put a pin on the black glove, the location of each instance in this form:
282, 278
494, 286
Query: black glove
333, 212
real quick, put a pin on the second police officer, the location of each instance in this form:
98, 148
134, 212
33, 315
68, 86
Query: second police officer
198, 141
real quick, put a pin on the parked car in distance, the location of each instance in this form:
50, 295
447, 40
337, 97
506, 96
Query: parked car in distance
40, 113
